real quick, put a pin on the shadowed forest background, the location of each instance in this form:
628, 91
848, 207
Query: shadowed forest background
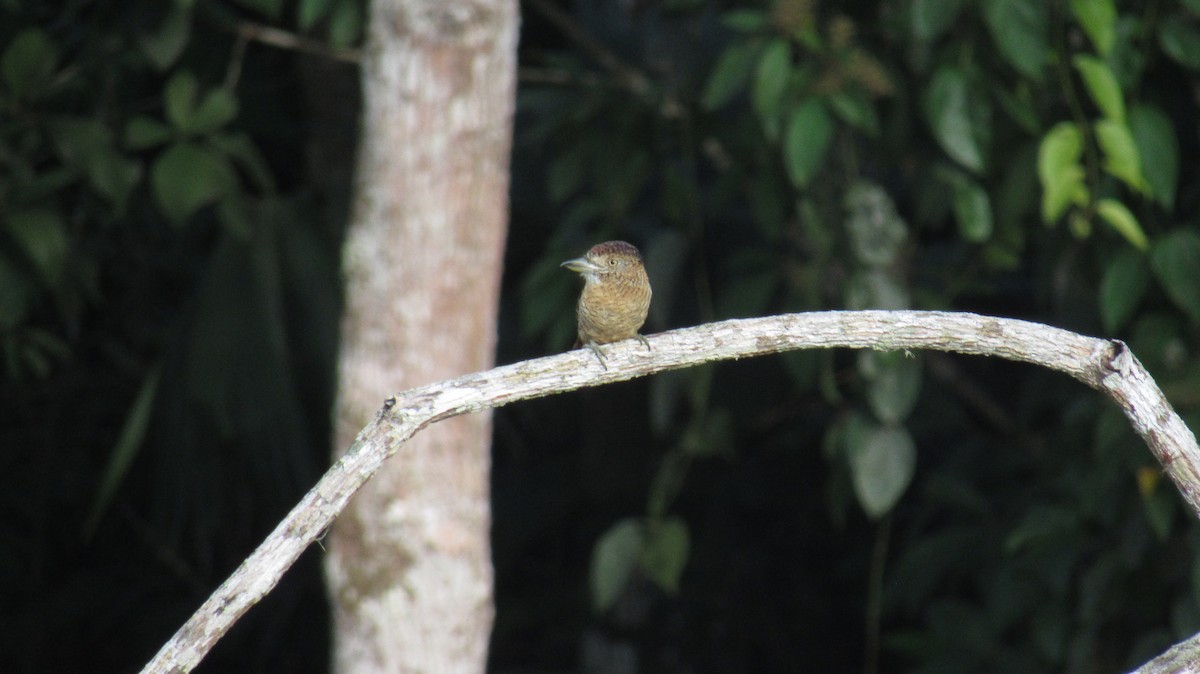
175, 180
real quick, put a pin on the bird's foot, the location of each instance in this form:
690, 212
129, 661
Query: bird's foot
595, 348
642, 339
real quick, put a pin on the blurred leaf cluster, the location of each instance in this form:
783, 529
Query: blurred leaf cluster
1022, 158
168, 309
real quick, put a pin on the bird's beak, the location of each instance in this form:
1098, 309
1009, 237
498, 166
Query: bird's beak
582, 265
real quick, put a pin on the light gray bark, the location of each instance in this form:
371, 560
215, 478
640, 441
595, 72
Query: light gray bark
1106, 365
1182, 658
409, 564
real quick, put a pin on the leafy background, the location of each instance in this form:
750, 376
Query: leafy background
175, 181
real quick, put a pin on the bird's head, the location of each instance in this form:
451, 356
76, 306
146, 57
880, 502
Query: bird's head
610, 257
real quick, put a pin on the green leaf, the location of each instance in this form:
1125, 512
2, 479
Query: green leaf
125, 450
43, 185
1061, 148
28, 63
1122, 288
855, 430
113, 176
665, 553
1020, 29
875, 289
877, 232
1175, 259
1102, 86
309, 12
1122, 219
1154, 135
163, 45
972, 211
345, 23
34, 351
241, 149
1160, 506
931, 18
669, 479
88, 145
180, 96
893, 383
730, 74
708, 434
1060, 172
951, 113
1042, 527
186, 177
1079, 224
855, 108
1180, 40
770, 85
1121, 158
142, 133
1020, 106
217, 109
809, 131
41, 235
18, 293
179, 99
614, 557
1099, 20
882, 462
235, 215
746, 20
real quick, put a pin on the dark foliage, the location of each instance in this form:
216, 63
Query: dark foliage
171, 202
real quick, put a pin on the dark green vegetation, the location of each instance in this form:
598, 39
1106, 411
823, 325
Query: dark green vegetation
173, 190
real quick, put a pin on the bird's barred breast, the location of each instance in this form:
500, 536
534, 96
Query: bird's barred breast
611, 312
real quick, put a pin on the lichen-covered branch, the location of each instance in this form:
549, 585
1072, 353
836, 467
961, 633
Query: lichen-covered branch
1182, 658
1106, 365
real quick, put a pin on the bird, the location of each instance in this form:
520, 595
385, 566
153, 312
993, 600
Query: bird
615, 298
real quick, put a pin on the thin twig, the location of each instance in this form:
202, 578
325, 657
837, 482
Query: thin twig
556, 77
637, 81
971, 395
237, 57
277, 37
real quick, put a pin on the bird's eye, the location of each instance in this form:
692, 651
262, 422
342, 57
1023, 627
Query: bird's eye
612, 261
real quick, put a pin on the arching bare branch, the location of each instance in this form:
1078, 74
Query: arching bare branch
1106, 365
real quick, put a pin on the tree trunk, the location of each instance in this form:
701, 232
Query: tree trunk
409, 564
